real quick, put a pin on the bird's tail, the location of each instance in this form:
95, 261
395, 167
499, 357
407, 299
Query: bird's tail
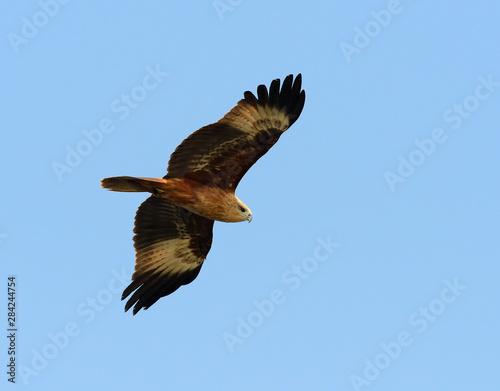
129, 183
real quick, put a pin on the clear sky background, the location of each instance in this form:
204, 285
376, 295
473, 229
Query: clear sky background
372, 261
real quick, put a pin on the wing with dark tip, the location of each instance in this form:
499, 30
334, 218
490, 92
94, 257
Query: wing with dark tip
221, 153
171, 244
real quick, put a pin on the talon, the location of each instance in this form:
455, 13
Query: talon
157, 192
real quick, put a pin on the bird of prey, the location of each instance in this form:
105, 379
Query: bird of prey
173, 227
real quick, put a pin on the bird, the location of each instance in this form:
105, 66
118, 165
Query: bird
173, 227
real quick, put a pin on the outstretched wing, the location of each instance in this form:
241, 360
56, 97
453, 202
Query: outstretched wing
171, 244
221, 153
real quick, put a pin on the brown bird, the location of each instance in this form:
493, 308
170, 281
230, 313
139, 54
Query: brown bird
173, 227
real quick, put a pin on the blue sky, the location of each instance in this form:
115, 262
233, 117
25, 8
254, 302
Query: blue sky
372, 259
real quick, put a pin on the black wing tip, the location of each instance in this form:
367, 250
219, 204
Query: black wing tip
145, 292
249, 96
140, 298
128, 290
288, 94
137, 302
144, 295
137, 306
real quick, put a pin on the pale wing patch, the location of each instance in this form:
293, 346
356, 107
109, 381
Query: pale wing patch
170, 256
251, 120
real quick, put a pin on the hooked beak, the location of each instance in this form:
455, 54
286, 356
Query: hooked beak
249, 218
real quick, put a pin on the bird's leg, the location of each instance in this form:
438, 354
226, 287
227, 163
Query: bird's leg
158, 192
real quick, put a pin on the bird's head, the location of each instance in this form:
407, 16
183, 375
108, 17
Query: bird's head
244, 213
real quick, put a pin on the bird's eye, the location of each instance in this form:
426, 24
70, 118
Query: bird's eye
242, 209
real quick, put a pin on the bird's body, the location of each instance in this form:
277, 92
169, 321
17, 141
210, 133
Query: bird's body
173, 227
208, 201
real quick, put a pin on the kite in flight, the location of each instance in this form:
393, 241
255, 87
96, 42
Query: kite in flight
173, 227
